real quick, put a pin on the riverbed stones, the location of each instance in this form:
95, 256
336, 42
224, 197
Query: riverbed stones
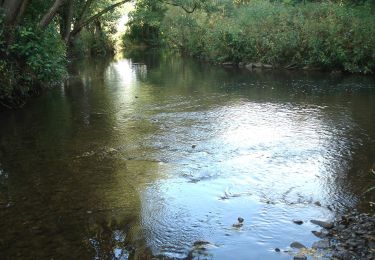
298, 222
351, 236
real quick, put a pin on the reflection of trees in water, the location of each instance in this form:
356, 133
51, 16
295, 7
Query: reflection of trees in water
64, 178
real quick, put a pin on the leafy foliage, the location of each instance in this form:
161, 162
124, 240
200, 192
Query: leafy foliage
332, 36
145, 23
34, 59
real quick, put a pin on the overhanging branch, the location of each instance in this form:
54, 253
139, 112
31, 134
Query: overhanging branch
96, 16
183, 7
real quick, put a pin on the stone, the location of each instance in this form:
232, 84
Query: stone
277, 249
249, 66
319, 234
200, 243
299, 257
317, 203
268, 66
228, 64
297, 245
240, 220
298, 222
237, 225
323, 224
321, 244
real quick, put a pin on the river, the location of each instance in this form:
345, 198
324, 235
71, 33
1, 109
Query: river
155, 155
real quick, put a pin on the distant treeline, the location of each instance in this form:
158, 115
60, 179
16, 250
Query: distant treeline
288, 34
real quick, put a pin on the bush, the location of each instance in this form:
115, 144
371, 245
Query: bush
32, 61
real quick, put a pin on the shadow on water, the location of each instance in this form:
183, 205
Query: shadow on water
158, 155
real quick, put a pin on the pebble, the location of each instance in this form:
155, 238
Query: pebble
317, 203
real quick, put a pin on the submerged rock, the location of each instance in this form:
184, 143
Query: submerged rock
237, 225
201, 243
240, 220
298, 222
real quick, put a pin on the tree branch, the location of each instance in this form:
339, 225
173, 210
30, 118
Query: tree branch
47, 18
184, 8
96, 16
83, 13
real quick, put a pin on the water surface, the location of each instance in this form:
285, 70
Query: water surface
154, 154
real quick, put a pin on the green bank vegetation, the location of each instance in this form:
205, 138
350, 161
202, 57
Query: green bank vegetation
286, 34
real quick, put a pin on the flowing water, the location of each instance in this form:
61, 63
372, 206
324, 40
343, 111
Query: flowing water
156, 156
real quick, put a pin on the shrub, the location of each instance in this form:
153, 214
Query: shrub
33, 60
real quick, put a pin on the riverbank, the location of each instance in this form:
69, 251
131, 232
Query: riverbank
325, 36
350, 236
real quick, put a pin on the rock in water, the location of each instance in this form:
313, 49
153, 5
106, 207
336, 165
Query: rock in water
240, 220
298, 222
323, 224
297, 245
237, 225
322, 244
319, 234
300, 257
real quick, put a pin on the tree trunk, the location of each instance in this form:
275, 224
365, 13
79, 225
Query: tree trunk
51, 13
66, 20
14, 10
